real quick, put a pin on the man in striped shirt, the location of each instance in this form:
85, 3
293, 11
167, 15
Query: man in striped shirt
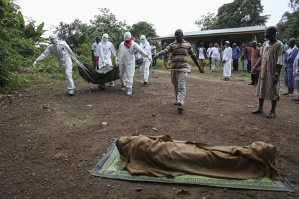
179, 49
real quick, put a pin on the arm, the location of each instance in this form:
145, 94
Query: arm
197, 53
258, 63
112, 49
196, 63
139, 50
205, 53
101, 55
163, 52
45, 54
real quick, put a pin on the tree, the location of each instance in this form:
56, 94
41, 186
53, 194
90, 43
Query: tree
206, 22
143, 28
14, 47
288, 27
239, 13
106, 23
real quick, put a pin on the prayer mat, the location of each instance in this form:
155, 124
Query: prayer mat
110, 167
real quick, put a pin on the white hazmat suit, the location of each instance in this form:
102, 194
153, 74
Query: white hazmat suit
127, 62
227, 56
144, 68
106, 47
64, 54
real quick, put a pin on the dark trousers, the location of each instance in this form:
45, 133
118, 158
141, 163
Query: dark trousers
235, 64
154, 61
210, 62
255, 77
249, 66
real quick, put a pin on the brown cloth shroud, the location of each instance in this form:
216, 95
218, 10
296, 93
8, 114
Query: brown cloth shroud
161, 156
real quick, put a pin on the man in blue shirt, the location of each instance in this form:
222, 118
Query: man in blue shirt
236, 56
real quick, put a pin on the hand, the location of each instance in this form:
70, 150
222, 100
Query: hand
200, 70
117, 62
78, 63
275, 80
223, 61
34, 64
253, 70
156, 56
103, 63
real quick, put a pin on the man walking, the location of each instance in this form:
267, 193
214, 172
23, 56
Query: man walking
179, 49
255, 56
153, 50
64, 54
215, 55
227, 61
236, 56
201, 55
95, 54
244, 57
271, 62
208, 55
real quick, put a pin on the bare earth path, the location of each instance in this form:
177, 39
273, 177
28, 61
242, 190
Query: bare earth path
49, 140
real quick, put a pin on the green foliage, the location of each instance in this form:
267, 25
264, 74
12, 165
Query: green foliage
29, 31
288, 25
239, 13
206, 22
143, 28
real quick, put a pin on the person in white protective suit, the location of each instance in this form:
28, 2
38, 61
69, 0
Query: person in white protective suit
144, 69
126, 59
107, 47
62, 51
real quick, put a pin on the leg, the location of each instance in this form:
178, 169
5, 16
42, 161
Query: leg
174, 80
130, 71
122, 74
256, 77
272, 112
182, 77
67, 73
216, 64
142, 71
146, 70
260, 109
213, 64
210, 62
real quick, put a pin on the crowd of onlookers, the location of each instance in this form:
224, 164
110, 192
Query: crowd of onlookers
249, 54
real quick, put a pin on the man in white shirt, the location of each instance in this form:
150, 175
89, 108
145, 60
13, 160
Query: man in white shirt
208, 54
215, 55
201, 55
227, 61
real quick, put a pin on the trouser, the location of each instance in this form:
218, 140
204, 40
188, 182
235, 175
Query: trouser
249, 66
154, 61
107, 62
255, 77
126, 74
210, 62
144, 70
202, 62
66, 69
178, 78
215, 63
244, 64
297, 85
235, 64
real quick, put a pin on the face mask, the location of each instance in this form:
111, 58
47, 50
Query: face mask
104, 39
127, 36
53, 41
142, 40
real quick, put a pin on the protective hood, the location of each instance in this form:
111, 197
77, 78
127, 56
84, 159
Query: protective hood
105, 38
143, 39
53, 39
127, 36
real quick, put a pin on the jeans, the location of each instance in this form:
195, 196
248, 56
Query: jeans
244, 64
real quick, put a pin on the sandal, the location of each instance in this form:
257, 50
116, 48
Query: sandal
285, 93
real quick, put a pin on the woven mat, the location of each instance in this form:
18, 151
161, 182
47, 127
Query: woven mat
110, 167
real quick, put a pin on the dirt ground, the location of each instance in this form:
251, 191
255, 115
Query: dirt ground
50, 141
